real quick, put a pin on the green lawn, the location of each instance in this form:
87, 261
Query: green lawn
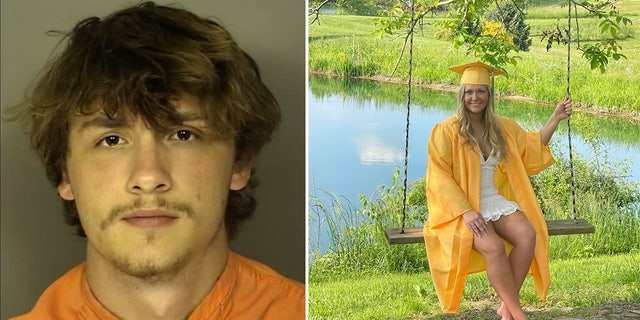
577, 284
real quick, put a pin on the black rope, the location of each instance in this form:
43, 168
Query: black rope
573, 179
406, 139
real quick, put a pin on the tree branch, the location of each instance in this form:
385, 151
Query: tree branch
411, 29
316, 11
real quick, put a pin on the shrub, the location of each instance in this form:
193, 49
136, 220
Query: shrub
513, 18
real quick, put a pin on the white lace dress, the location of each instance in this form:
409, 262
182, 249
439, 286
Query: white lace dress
492, 204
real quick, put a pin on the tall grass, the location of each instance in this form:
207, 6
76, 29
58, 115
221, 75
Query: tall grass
343, 45
358, 244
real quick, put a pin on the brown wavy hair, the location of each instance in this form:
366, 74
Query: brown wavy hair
138, 60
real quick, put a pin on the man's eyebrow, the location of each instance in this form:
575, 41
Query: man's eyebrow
106, 122
190, 116
103, 122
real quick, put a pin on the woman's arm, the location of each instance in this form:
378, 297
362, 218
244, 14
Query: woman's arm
562, 111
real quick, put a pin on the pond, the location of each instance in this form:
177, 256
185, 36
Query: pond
356, 136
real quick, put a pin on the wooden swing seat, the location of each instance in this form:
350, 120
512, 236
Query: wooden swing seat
555, 227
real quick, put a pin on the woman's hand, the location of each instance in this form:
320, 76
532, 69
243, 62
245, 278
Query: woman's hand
563, 109
474, 220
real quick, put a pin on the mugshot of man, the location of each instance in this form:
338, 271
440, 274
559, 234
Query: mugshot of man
148, 121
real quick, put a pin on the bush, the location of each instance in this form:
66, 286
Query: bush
603, 198
357, 234
513, 18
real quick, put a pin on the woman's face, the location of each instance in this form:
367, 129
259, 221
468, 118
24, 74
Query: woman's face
476, 97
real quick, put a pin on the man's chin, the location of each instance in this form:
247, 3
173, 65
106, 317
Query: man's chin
150, 270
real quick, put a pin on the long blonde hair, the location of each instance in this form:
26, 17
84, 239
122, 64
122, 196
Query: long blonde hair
492, 132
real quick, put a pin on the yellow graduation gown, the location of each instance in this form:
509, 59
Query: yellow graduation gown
453, 188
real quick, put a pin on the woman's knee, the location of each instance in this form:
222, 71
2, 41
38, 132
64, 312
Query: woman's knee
517, 229
491, 247
526, 235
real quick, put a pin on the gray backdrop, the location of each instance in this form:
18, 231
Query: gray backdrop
37, 246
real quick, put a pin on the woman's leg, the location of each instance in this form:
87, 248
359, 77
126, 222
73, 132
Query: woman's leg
499, 272
517, 229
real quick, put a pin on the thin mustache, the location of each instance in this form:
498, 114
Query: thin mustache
139, 203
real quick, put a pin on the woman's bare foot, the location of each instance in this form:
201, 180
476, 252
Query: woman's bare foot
504, 313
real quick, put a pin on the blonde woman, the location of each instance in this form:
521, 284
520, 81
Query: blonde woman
483, 213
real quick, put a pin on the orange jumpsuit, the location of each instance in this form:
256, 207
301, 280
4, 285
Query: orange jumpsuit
246, 289
453, 188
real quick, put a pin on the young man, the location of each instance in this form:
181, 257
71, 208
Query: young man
147, 124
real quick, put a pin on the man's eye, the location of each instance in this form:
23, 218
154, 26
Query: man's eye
111, 141
184, 135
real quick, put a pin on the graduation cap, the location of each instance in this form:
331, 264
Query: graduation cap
476, 73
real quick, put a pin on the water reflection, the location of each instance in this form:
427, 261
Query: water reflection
374, 150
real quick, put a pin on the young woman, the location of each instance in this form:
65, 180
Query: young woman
483, 213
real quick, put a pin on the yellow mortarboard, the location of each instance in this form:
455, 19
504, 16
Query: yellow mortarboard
476, 73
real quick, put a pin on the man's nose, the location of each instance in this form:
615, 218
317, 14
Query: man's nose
149, 171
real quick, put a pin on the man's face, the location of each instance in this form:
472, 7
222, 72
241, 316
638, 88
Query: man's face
150, 201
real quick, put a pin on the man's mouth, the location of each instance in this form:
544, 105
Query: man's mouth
150, 218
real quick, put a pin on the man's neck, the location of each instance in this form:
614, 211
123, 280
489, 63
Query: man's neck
174, 297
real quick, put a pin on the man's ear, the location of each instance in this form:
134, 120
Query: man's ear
240, 175
64, 188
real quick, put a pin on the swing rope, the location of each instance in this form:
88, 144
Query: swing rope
573, 179
406, 139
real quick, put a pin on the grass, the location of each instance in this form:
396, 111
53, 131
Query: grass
577, 285
343, 45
